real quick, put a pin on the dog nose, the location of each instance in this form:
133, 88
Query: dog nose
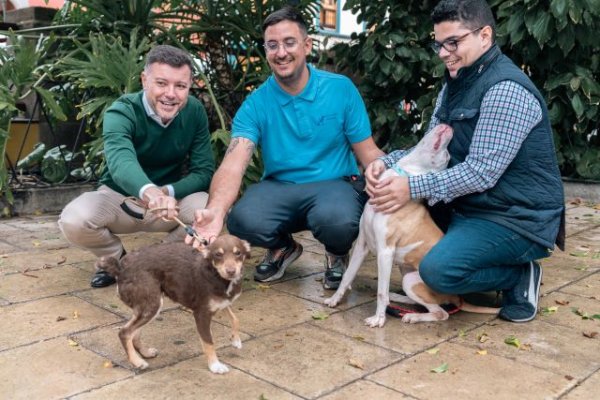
230, 271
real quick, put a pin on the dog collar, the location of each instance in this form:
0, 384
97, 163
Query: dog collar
399, 170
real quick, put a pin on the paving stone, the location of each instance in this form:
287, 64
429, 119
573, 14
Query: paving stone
309, 361
108, 299
6, 248
311, 288
561, 270
42, 283
189, 379
172, 333
48, 318
32, 241
565, 315
470, 376
588, 287
35, 260
395, 335
53, 369
586, 390
581, 218
362, 390
561, 350
263, 311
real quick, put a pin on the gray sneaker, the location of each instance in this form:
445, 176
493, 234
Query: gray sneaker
520, 304
272, 269
335, 266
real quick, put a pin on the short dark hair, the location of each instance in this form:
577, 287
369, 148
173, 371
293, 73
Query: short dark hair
472, 14
287, 13
169, 55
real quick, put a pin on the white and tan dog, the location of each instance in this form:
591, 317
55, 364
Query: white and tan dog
405, 236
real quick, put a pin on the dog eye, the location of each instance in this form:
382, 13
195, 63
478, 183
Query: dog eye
237, 253
218, 255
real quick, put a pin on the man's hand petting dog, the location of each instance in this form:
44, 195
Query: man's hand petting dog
388, 194
204, 281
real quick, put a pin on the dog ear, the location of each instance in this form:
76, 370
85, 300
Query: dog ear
204, 251
246, 246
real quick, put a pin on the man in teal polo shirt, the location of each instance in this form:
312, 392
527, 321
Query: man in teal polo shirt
150, 138
310, 125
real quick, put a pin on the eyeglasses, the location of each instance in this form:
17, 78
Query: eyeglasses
289, 45
451, 45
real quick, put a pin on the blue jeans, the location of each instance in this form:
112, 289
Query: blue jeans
477, 255
270, 211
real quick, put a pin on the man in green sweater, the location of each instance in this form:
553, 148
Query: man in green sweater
150, 139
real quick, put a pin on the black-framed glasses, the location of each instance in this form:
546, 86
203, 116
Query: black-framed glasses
290, 44
451, 45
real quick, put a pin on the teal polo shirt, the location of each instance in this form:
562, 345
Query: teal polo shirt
307, 137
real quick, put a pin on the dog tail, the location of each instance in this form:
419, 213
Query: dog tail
110, 265
468, 307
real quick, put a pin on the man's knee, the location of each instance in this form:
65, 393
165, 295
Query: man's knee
434, 272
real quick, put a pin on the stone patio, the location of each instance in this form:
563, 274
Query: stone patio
58, 336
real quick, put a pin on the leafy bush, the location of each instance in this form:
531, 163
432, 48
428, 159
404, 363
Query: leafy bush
554, 41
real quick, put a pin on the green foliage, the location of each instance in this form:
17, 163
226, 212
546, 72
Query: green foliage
395, 71
23, 64
556, 42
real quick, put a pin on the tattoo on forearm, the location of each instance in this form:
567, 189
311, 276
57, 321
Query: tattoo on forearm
233, 144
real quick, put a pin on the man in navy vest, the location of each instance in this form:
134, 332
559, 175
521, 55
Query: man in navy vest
501, 199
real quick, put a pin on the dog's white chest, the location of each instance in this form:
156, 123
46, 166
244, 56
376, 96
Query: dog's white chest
217, 305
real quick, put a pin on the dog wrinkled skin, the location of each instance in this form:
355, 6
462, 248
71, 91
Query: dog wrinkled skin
404, 237
205, 282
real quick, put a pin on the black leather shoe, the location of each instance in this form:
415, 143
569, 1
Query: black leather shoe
102, 279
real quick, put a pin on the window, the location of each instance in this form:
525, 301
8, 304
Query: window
328, 19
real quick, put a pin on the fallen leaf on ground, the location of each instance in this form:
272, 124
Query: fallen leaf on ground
73, 343
581, 313
62, 260
26, 273
441, 369
359, 338
36, 243
562, 302
75, 314
482, 352
569, 377
60, 318
107, 364
483, 337
435, 350
590, 335
549, 310
260, 286
576, 201
356, 363
320, 315
462, 333
513, 341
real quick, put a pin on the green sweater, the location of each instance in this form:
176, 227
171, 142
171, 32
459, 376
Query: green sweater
139, 151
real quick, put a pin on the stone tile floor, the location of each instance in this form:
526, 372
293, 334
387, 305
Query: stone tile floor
58, 336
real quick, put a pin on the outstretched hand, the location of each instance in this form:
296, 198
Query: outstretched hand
207, 224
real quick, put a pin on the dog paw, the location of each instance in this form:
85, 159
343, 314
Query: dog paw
150, 352
376, 321
236, 342
218, 368
141, 364
332, 301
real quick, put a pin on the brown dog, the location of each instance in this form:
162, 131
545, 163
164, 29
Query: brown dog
205, 282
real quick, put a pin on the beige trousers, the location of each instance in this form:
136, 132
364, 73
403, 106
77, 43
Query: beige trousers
93, 220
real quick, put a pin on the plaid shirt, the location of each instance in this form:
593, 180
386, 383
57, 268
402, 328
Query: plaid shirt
508, 113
